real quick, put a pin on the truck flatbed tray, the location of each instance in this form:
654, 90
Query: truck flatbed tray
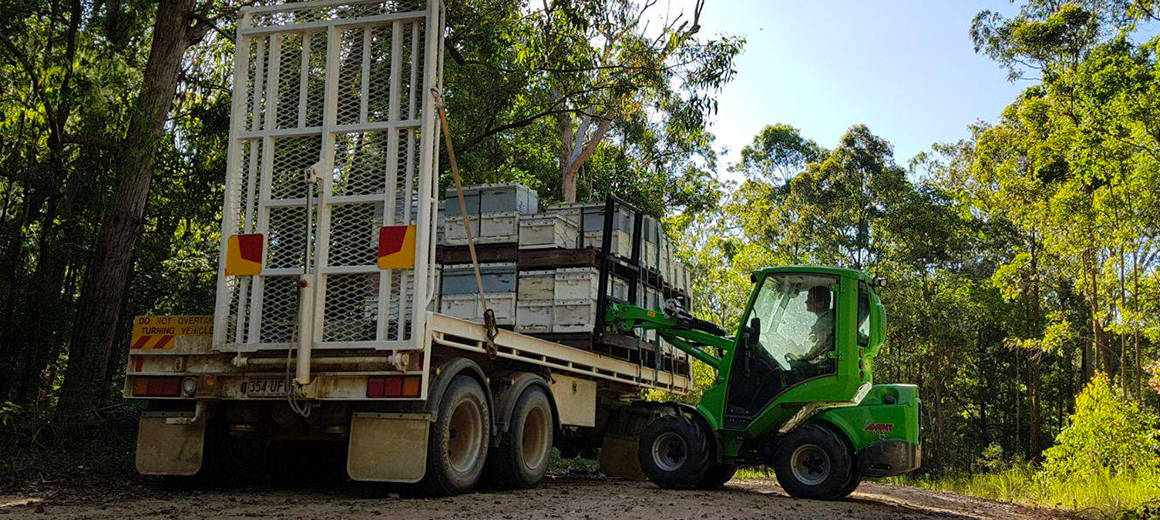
452, 332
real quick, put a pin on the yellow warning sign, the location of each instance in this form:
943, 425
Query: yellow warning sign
161, 332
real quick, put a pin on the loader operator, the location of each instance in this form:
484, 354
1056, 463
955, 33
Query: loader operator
821, 338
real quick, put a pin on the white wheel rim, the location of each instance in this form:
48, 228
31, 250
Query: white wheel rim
810, 464
669, 451
534, 439
464, 436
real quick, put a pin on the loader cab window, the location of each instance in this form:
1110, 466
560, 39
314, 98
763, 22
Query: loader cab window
795, 343
863, 314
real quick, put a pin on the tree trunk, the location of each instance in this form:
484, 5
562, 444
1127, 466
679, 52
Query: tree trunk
105, 281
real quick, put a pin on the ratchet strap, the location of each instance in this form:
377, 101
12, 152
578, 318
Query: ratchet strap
488, 314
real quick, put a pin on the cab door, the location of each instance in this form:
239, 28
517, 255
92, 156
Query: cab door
794, 318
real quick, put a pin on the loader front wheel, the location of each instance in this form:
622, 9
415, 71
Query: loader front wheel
674, 452
457, 446
812, 462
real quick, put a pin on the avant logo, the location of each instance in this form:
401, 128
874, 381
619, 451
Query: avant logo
880, 428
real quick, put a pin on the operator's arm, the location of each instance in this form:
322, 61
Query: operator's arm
821, 338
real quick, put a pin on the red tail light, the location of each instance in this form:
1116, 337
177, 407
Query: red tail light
157, 386
394, 386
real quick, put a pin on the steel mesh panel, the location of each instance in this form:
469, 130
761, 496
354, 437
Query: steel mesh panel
351, 307
322, 13
360, 163
354, 234
406, 189
316, 79
393, 296
379, 89
290, 80
279, 308
286, 238
292, 156
233, 286
349, 92
259, 66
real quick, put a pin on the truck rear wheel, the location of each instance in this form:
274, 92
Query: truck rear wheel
521, 460
674, 452
812, 462
457, 447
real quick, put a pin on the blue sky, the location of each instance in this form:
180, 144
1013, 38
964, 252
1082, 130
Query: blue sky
906, 69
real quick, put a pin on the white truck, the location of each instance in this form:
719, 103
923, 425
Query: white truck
323, 329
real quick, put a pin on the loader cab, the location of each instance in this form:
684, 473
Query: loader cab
807, 338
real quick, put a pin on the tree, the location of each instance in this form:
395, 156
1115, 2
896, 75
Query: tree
177, 27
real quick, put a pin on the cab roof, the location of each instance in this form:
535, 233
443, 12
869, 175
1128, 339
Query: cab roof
814, 269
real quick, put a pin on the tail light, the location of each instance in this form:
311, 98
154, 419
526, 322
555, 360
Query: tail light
394, 386
157, 386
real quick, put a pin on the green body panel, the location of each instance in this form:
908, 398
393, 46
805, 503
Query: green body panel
874, 419
846, 399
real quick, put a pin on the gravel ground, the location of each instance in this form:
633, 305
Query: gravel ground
566, 498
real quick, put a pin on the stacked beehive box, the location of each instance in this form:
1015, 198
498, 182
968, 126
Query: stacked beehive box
556, 293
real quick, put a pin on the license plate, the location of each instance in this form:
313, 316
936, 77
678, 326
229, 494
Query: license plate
264, 387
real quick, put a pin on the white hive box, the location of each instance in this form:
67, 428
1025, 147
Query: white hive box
497, 278
549, 231
650, 245
454, 233
534, 316
466, 306
537, 285
576, 283
574, 316
618, 288
664, 257
499, 228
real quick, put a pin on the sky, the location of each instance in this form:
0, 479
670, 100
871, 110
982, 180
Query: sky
905, 68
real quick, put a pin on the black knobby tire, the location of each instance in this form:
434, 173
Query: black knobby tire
457, 444
674, 452
812, 462
717, 475
852, 484
521, 460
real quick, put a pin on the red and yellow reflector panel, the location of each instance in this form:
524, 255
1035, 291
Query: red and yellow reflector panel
396, 247
244, 254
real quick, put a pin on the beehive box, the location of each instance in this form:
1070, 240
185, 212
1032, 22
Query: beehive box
549, 231
466, 306
470, 198
664, 260
534, 316
497, 278
499, 228
589, 218
507, 198
576, 283
574, 316
618, 288
454, 233
650, 242
537, 285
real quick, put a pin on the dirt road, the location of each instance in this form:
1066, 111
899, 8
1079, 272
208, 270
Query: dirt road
566, 498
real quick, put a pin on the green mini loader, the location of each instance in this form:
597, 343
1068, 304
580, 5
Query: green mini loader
793, 389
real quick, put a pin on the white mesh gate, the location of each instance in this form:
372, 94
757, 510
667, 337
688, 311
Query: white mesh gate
344, 85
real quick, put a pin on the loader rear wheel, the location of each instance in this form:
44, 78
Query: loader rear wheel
457, 447
812, 462
521, 460
717, 475
674, 452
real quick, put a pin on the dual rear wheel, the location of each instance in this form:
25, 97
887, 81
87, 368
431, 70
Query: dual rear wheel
458, 447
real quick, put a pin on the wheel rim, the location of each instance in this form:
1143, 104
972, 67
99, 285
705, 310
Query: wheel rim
810, 464
669, 451
464, 436
534, 441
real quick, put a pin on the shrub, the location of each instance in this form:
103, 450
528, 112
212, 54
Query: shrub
1107, 433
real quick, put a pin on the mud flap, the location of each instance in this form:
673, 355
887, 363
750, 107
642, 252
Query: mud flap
618, 457
388, 447
169, 449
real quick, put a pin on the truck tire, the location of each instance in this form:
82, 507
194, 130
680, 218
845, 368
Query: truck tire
457, 446
521, 460
674, 452
717, 475
812, 462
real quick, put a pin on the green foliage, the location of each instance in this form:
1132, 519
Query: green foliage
1105, 434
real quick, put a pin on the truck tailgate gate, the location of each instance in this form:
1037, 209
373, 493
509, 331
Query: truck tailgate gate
340, 90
